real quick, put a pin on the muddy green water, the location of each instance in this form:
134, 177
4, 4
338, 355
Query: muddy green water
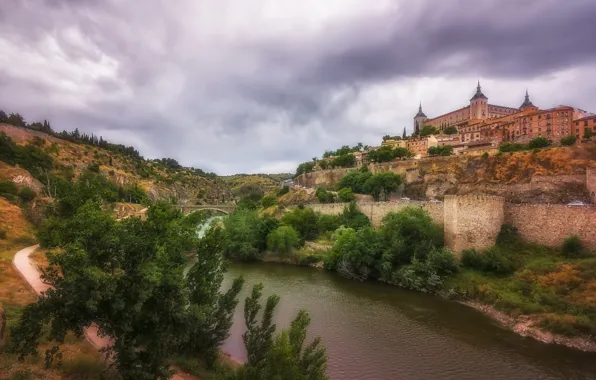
375, 331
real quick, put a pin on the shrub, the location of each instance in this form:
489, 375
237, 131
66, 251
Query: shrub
493, 260
304, 220
569, 140
27, 194
94, 167
8, 187
324, 196
470, 258
283, 240
2, 235
539, 142
485, 155
511, 147
346, 194
329, 223
268, 201
572, 246
283, 190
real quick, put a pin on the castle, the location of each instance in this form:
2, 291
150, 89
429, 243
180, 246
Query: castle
481, 122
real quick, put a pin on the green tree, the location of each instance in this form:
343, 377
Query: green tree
304, 220
588, 134
408, 233
268, 201
283, 240
128, 277
324, 196
569, 140
210, 312
451, 130
572, 246
242, 235
428, 130
381, 184
539, 142
511, 147
346, 194
355, 180
344, 161
305, 167
283, 355
353, 218
384, 154
446, 150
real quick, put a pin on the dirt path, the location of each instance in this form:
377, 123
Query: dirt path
32, 275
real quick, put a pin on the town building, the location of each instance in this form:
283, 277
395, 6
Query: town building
580, 126
481, 121
419, 145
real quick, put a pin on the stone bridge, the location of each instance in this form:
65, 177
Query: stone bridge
225, 208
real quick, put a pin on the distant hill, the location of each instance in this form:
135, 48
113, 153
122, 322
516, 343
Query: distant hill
243, 184
162, 179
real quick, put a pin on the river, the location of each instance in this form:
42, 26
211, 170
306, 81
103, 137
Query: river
375, 331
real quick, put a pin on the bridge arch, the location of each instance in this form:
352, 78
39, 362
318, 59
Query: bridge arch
225, 209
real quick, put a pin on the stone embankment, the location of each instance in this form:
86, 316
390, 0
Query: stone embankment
474, 221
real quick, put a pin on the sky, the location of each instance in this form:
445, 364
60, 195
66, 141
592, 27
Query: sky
258, 86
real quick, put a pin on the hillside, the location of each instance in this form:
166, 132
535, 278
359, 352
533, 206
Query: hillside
243, 184
161, 179
552, 175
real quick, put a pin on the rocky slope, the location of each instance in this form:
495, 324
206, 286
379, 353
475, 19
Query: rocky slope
555, 175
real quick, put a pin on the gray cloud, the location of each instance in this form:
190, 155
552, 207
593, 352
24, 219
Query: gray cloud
262, 85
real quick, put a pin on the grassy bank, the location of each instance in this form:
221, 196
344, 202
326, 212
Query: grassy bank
556, 291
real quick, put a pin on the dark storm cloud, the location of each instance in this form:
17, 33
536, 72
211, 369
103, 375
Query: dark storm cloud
228, 87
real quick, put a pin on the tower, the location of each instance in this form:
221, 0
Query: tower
419, 120
527, 104
478, 105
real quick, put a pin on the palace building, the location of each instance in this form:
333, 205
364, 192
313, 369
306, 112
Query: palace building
483, 121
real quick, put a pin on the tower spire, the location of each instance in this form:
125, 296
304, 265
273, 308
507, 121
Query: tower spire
478, 88
527, 102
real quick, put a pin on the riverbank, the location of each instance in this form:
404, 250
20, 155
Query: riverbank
523, 325
544, 268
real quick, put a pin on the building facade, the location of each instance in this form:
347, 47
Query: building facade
481, 121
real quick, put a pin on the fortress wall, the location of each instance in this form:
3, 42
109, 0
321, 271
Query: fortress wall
375, 211
475, 221
472, 221
591, 183
551, 224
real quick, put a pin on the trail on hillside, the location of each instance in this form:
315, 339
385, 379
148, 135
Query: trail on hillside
32, 275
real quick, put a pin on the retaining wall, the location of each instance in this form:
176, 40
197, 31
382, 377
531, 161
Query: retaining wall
472, 221
551, 224
475, 221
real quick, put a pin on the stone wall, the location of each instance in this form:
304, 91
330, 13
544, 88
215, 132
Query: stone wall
591, 183
375, 211
475, 221
551, 224
472, 221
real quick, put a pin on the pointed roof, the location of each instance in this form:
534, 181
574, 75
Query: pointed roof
527, 102
478, 94
420, 113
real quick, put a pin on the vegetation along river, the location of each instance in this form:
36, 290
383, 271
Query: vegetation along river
375, 331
